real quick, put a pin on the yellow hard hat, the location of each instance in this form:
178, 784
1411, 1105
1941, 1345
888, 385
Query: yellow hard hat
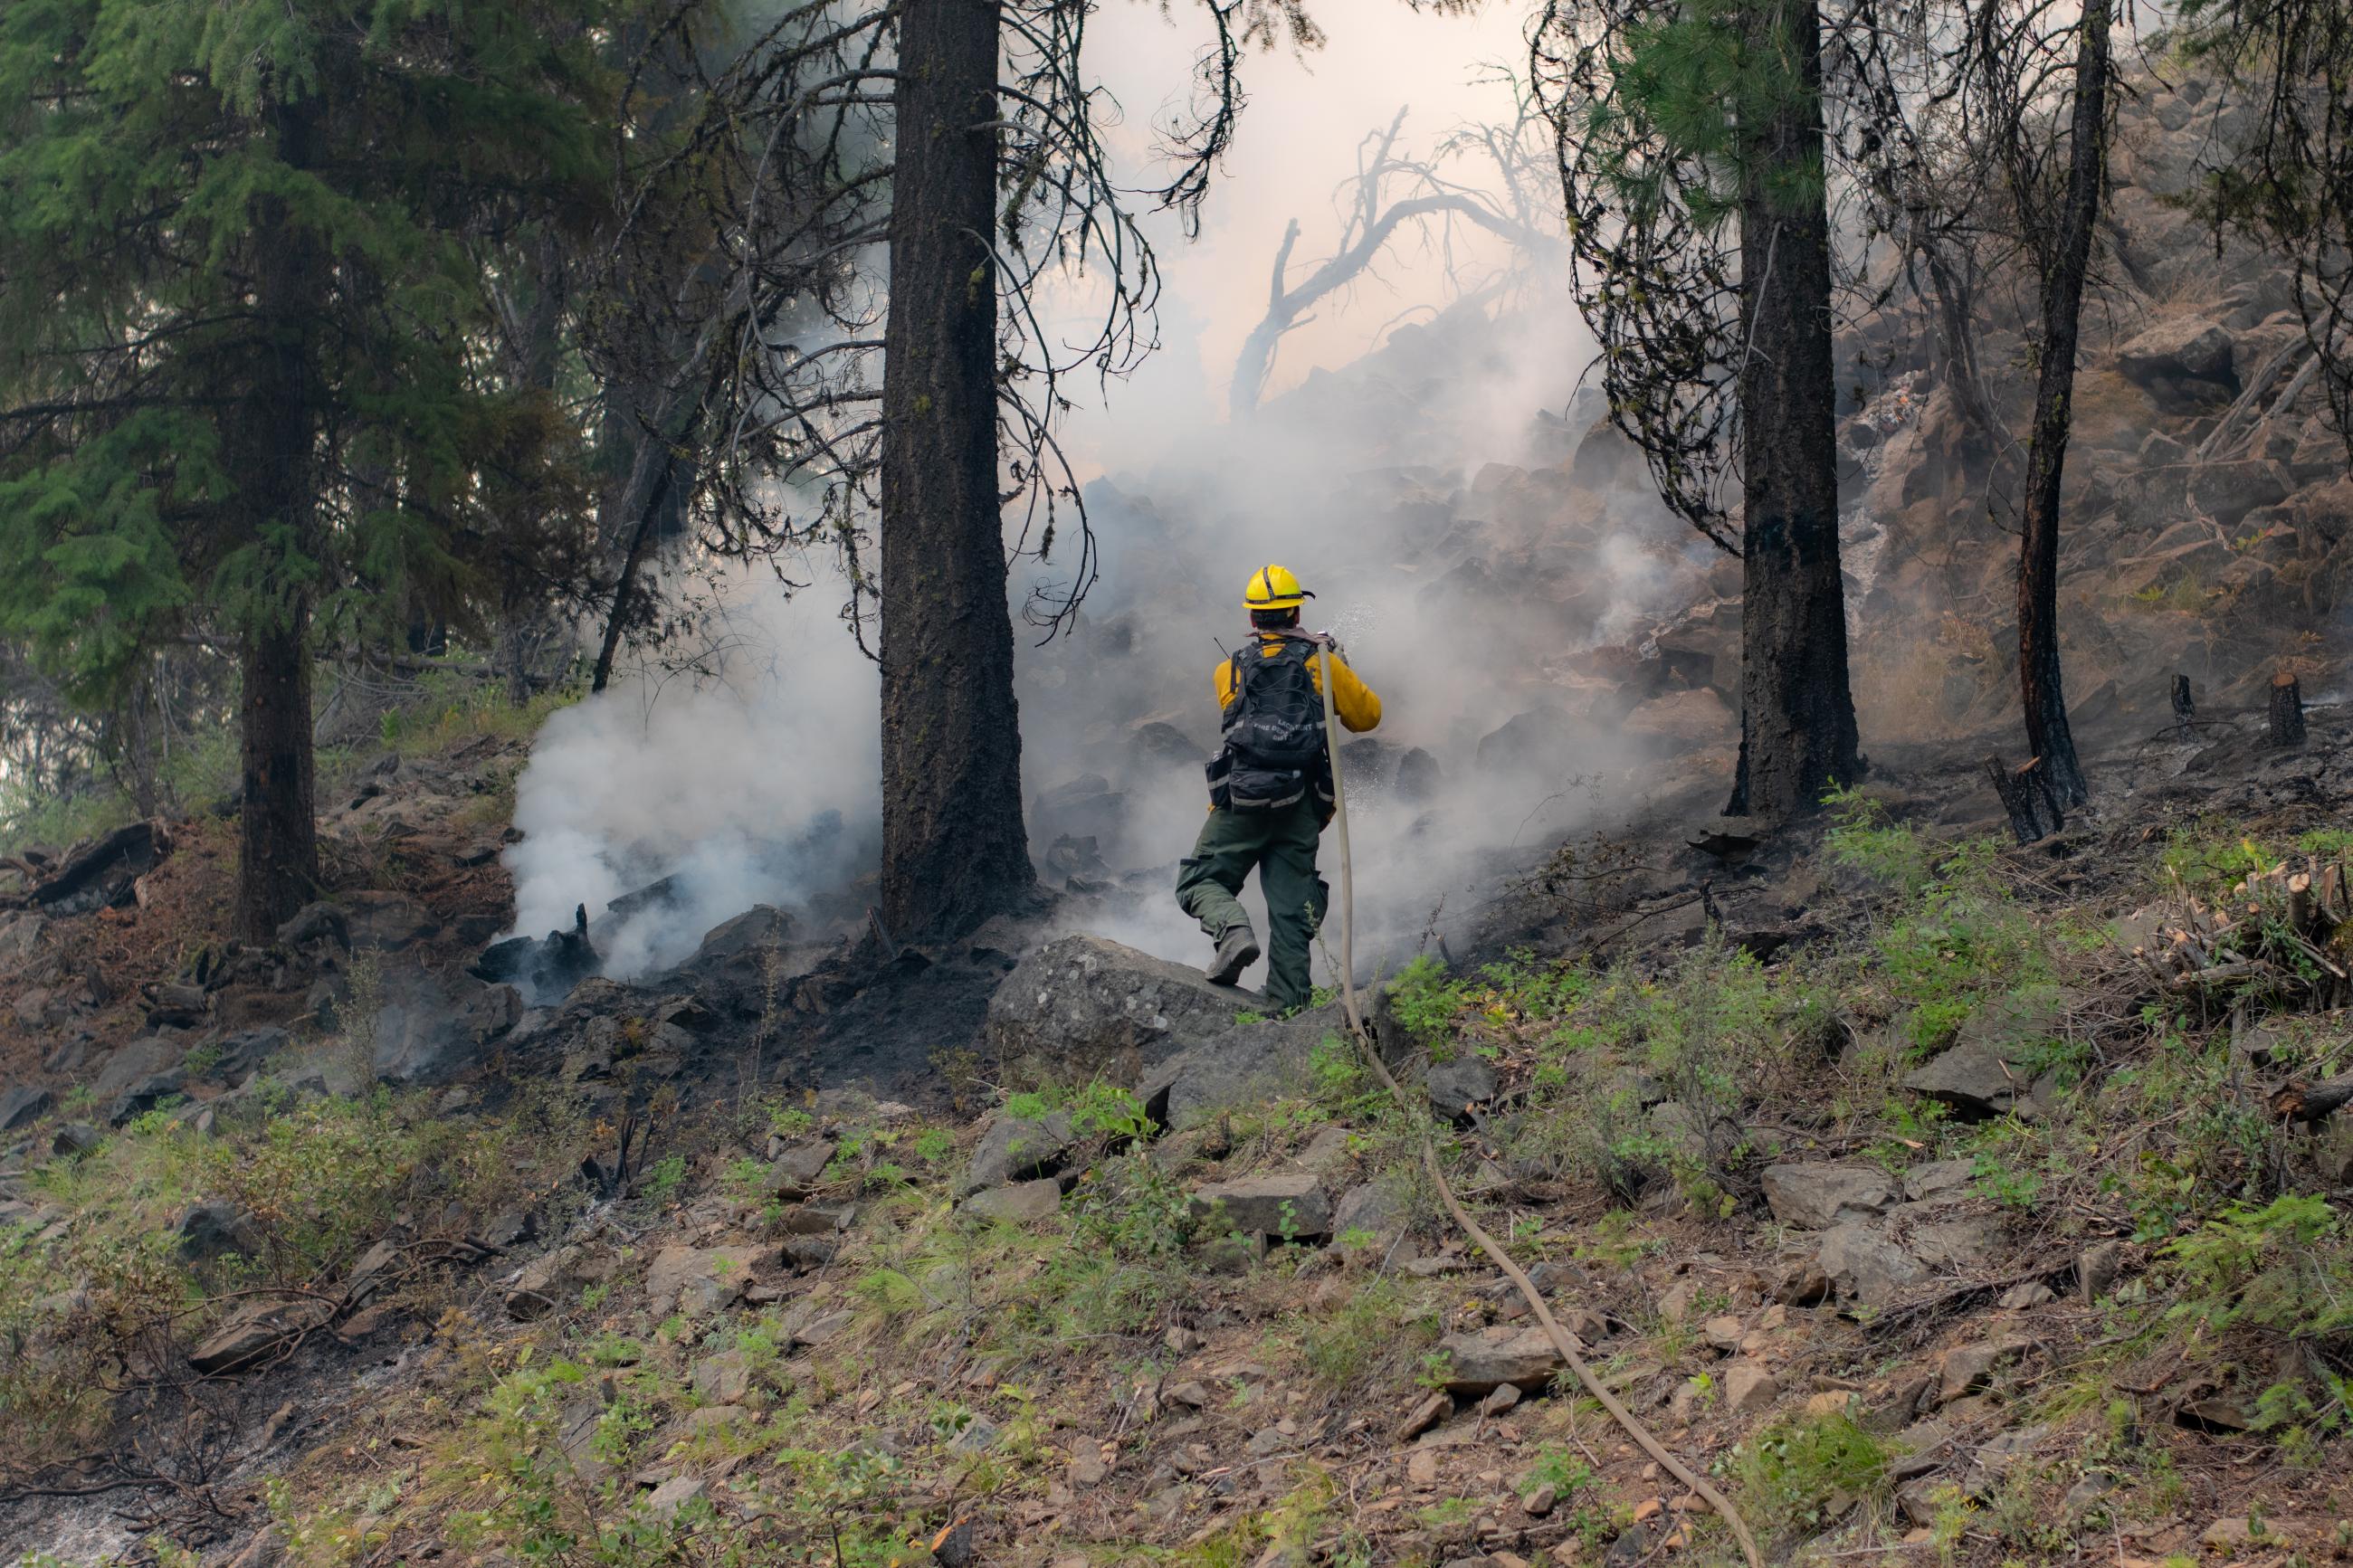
1273, 588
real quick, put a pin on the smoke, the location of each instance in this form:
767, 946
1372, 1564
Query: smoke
750, 780
1431, 492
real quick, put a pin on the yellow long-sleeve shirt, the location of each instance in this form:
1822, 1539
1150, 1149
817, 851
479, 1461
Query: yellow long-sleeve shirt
1358, 708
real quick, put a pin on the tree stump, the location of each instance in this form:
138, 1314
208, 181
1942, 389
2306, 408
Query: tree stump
2287, 710
2184, 709
2028, 798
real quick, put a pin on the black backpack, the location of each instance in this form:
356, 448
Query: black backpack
1275, 749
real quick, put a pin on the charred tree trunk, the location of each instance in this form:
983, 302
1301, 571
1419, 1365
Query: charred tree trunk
272, 441
2286, 713
2048, 735
955, 850
1797, 715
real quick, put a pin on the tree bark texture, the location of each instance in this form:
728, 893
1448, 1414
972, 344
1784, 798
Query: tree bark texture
2048, 735
955, 850
1796, 714
273, 439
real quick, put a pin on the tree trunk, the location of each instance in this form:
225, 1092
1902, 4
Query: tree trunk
955, 850
2048, 735
1797, 715
272, 441
277, 872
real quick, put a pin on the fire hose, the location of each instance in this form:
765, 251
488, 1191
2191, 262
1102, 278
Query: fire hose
1562, 1342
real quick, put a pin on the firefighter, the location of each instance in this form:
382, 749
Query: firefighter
1270, 791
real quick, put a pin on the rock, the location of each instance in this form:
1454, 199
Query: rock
2097, 1268
696, 1281
795, 1173
145, 1096
2228, 491
1290, 1206
1017, 1149
1242, 1066
1503, 1399
1976, 1076
2026, 1296
1081, 1008
1860, 1261
323, 920
210, 1230
1969, 1369
1023, 1202
2184, 347
233, 1056
255, 1331
433, 1031
979, 1437
1539, 1503
821, 1328
131, 1063
1433, 1409
761, 926
1371, 1215
384, 920
1815, 1197
1451, 1085
1748, 1388
1330, 1149
1478, 1363
75, 1139
1723, 1334
674, 1495
723, 1379
820, 1219
24, 1105
1936, 1178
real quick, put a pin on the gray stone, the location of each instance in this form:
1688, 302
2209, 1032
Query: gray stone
2185, 347
255, 1332
697, 1280
674, 1495
979, 1437
1451, 1085
145, 1096
1815, 1197
1978, 1076
1937, 1177
75, 1139
1081, 1008
1481, 1362
1244, 1065
141, 1058
1942, 1239
795, 1173
1373, 1214
210, 1230
24, 1105
761, 926
1864, 1264
322, 920
232, 1057
432, 1032
1330, 1149
1288, 1205
2228, 491
1023, 1202
1017, 1149
2096, 1268
723, 1379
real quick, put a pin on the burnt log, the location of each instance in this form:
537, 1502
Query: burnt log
2027, 798
544, 969
2311, 1102
102, 874
2286, 709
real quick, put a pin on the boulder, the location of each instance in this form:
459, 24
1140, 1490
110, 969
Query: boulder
322, 920
1081, 1008
139, 1059
1481, 1362
23, 1105
210, 1230
2185, 347
145, 1096
796, 1172
1015, 1149
1451, 1085
1289, 1205
761, 926
434, 1032
232, 1057
1863, 1263
1373, 1214
2228, 491
1023, 1202
1245, 1065
74, 1139
1978, 1076
1748, 1388
386, 922
255, 1332
1816, 1197
697, 1280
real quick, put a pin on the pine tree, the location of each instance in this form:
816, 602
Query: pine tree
247, 392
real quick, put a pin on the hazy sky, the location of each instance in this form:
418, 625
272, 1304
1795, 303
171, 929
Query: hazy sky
1298, 143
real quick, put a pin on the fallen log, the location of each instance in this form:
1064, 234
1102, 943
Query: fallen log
102, 873
2310, 1102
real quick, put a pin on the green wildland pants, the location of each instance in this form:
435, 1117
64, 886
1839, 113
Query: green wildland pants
1282, 845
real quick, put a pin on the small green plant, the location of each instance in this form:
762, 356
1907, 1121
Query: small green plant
1557, 1466
663, 1178
1801, 1471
